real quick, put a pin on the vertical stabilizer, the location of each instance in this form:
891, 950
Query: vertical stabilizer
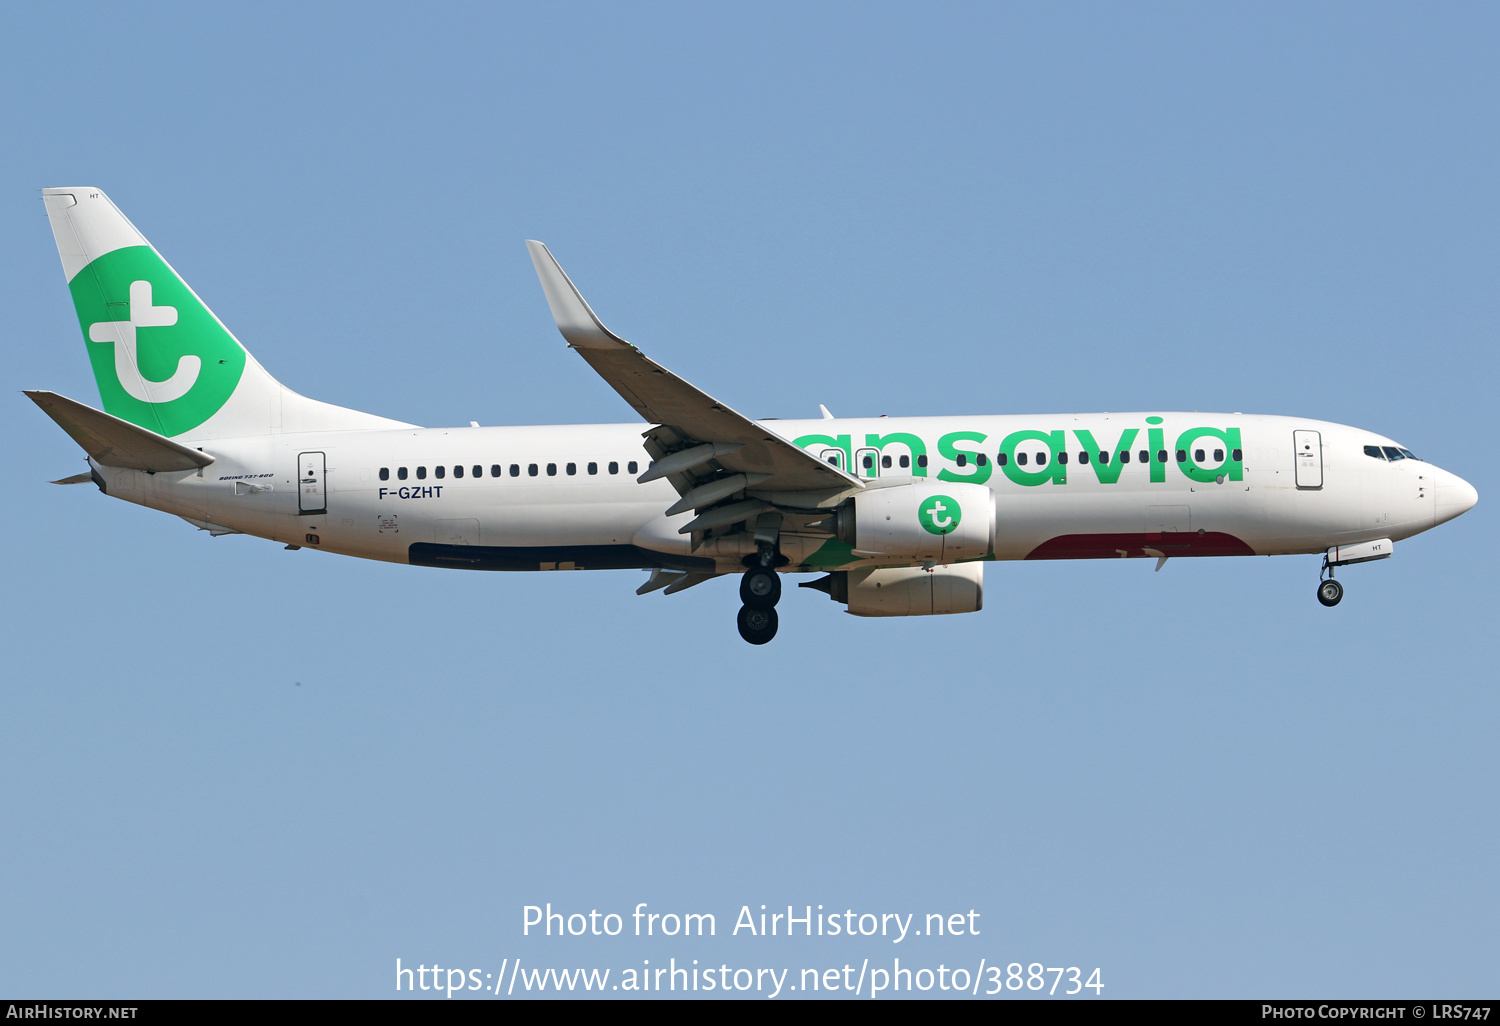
161, 358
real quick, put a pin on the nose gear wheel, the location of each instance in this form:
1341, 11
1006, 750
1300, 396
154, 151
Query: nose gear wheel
1330, 592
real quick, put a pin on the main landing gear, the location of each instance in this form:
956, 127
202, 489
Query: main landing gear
1330, 592
760, 587
757, 626
760, 590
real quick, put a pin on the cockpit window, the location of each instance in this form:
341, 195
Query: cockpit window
1373, 450
1392, 453
1411, 455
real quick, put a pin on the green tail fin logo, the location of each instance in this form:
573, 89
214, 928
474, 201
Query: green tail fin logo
161, 359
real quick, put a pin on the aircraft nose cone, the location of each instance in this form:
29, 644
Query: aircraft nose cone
1454, 496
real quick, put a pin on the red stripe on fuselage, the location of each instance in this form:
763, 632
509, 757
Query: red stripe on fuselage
1114, 546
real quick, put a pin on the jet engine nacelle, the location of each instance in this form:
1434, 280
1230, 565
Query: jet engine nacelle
934, 521
907, 590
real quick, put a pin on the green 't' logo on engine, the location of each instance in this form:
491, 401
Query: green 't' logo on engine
161, 359
939, 514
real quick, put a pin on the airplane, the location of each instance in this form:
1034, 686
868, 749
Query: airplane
898, 514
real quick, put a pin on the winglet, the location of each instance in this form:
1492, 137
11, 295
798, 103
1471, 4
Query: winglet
575, 319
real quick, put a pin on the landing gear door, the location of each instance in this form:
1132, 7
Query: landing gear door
311, 491
1309, 457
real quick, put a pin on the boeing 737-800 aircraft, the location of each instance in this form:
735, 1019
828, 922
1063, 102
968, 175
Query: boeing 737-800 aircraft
899, 515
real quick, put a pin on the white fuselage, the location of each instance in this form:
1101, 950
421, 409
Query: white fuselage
557, 518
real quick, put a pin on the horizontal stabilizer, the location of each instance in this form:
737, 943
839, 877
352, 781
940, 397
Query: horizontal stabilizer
687, 581
76, 479
215, 530
114, 442
659, 579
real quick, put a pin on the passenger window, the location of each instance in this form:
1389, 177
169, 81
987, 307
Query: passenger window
531, 469
478, 471
515, 470
982, 460
1238, 454
1392, 453
593, 468
1218, 455
922, 460
1181, 455
458, 471
963, 459
401, 473
552, 470
1103, 457
1083, 457
905, 461
421, 473
632, 467
494, 470
869, 462
385, 473
440, 472
1020, 459
1001, 459
1041, 459
1062, 458
614, 468
885, 462
1124, 455
1197, 456
1144, 456
572, 469
1161, 455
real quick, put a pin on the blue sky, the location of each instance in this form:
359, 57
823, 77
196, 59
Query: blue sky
232, 770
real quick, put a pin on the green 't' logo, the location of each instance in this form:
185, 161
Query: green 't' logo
939, 514
161, 359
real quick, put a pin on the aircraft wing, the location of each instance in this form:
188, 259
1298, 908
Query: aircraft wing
702, 445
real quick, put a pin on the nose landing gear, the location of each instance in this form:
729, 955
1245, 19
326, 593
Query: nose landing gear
1330, 592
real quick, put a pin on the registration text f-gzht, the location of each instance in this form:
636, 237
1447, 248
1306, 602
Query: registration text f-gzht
609, 924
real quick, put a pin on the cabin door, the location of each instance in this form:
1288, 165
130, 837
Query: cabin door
311, 490
1309, 456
